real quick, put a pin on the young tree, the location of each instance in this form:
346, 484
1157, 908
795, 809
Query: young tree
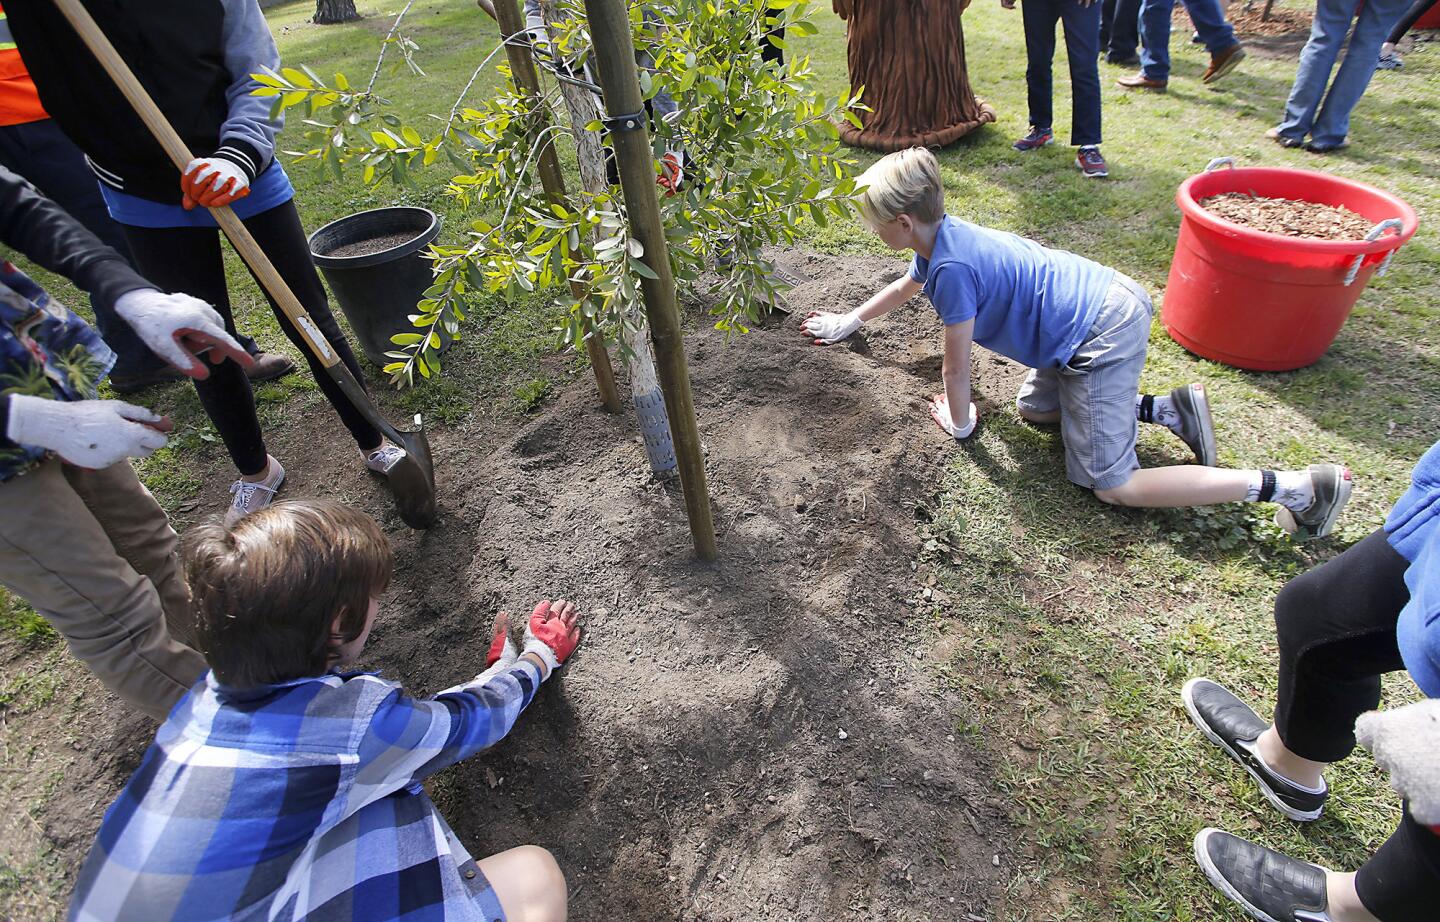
762, 145
329, 12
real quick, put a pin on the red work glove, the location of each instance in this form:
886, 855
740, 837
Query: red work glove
213, 182
672, 172
501, 655
553, 632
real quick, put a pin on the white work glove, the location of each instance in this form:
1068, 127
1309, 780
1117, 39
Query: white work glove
940, 412
1406, 743
87, 433
502, 653
828, 328
177, 327
213, 182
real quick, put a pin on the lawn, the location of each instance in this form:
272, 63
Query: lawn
1065, 628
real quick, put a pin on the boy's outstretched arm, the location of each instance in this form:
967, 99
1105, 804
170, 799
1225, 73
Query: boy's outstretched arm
409, 739
828, 328
956, 374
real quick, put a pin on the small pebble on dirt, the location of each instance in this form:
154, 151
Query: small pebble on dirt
843, 735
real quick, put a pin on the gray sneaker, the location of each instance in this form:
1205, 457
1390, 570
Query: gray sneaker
1195, 428
1333, 484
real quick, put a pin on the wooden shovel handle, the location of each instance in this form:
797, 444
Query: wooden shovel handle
179, 154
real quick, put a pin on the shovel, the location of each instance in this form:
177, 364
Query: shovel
412, 480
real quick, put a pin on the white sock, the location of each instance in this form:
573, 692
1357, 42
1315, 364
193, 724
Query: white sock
1162, 412
1294, 490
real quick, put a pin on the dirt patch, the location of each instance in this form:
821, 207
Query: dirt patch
763, 738
373, 245
1280, 37
1288, 217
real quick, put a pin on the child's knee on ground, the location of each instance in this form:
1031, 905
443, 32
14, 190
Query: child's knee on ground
529, 884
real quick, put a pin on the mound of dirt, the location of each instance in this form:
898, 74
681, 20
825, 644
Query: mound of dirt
757, 739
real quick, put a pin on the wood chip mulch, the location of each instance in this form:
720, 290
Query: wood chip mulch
1290, 217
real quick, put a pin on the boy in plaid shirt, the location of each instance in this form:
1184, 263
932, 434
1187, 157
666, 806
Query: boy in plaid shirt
280, 788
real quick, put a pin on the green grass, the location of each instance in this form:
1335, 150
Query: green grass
1072, 625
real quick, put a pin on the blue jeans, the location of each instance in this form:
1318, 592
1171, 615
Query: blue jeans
1082, 46
1327, 35
1209, 21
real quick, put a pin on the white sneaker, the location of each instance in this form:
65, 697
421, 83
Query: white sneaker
250, 497
384, 458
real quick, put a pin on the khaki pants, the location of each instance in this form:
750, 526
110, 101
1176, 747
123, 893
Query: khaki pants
94, 554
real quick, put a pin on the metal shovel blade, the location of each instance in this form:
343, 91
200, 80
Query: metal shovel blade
412, 479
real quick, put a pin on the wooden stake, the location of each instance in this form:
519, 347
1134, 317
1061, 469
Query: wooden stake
614, 52
522, 67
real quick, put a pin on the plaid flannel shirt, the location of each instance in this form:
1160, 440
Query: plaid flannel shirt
300, 801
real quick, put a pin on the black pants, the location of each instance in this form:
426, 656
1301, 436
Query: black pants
770, 53
1082, 44
1120, 29
40, 152
188, 259
1407, 22
1336, 627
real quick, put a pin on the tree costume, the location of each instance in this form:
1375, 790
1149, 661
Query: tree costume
909, 55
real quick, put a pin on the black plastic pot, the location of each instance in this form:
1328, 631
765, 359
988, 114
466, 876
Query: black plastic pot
378, 291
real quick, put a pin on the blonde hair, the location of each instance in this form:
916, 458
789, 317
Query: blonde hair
905, 182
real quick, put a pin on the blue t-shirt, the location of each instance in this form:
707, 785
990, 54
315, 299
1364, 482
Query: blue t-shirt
1030, 303
269, 189
1414, 530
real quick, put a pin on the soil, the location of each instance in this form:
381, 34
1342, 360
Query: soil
762, 738
1290, 217
373, 245
1280, 37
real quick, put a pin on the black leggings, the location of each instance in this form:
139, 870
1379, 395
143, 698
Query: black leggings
188, 260
1407, 22
1336, 627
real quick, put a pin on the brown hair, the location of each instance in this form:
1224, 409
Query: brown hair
266, 592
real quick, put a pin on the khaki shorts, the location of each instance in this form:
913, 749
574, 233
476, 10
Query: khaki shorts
1095, 391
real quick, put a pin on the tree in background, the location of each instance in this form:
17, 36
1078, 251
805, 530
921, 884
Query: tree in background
329, 12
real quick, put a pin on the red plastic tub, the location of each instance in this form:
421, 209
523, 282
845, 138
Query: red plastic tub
1431, 20
1267, 302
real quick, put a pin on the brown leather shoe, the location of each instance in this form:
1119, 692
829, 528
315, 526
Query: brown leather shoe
1222, 62
1138, 81
269, 366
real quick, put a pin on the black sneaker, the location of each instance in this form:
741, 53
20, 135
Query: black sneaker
1195, 428
1036, 139
1230, 724
1269, 886
1091, 164
1333, 485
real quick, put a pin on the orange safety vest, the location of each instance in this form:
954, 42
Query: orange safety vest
19, 102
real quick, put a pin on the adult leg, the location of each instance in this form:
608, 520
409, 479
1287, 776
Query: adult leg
1336, 631
141, 534
1372, 24
1407, 21
1155, 32
1401, 881
1081, 45
188, 259
1209, 20
59, 558
1040, 18
280, 235
1107, 20
1317, 60
528, 883
1124, 41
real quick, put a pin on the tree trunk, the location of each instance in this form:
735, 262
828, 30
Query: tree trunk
329, 12
909, 55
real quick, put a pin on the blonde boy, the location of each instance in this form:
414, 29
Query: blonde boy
1083, 329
